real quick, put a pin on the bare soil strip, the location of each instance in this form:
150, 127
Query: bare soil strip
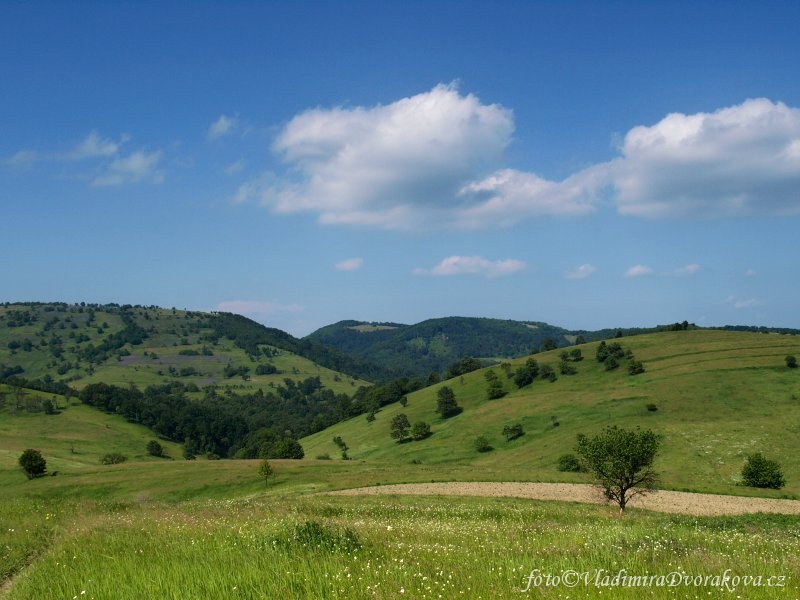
662, 501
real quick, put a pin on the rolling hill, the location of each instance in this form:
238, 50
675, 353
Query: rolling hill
717, 395
77, 345
433, 345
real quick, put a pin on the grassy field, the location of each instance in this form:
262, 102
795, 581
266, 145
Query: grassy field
345, 548
720, 396
160, 528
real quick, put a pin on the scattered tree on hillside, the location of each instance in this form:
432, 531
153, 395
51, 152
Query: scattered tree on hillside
446, 404
342, 446
621, 461
265, 471
547, 372
482, 444
154, 448
464, 365
512, 432
494, 387
525, 374
399, 427
420, 430
791, 361
33, 463
761, 472
635, 367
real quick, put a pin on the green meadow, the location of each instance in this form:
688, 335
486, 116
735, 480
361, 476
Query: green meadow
171, 528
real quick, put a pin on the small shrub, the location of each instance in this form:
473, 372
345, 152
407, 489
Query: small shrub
512, 432
314, 535
635, 367
761, 472
791, 361
547, 372
482, 444
611, 363
113, 458
652, 407
154, 448
569, 463
33, 463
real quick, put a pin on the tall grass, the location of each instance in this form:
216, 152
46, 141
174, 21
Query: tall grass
399, 547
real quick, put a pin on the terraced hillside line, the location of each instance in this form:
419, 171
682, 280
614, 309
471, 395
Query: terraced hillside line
662, 501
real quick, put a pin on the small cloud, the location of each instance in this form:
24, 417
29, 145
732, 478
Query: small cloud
133, 168
351, 264
94, 146
473, 265
222, 126
638, 271
749, 303
581, 272
687, 270
22, 160
255, 308
235, 167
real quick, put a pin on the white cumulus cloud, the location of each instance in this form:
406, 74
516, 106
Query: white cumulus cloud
351, 264
581, 272
473, 265
736, 161
138, 166
638, 271
399, 165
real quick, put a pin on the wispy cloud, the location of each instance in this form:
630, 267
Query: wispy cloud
138, 166
224, 125
638, 271
22, 160
257, 308
742, 302
581, 272
94, 146
687, 270
351, 264
235, 167
472, 265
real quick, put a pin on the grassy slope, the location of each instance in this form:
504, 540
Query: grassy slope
175, 331
720, 396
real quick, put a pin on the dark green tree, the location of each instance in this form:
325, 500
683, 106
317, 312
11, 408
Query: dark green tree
399, 427
494, 387
621, 461
525, 374
791, 361
446, 404
154, 448
512, 432
482, 444
33, 463
761, 472
420, 430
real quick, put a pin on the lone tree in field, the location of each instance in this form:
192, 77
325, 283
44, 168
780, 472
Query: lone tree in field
265, 471
446, 404
33, 463
399, 427
791, 361
621, 461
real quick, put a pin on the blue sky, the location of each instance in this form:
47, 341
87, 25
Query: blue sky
586, 164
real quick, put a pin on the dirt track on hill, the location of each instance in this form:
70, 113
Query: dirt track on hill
662, 501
